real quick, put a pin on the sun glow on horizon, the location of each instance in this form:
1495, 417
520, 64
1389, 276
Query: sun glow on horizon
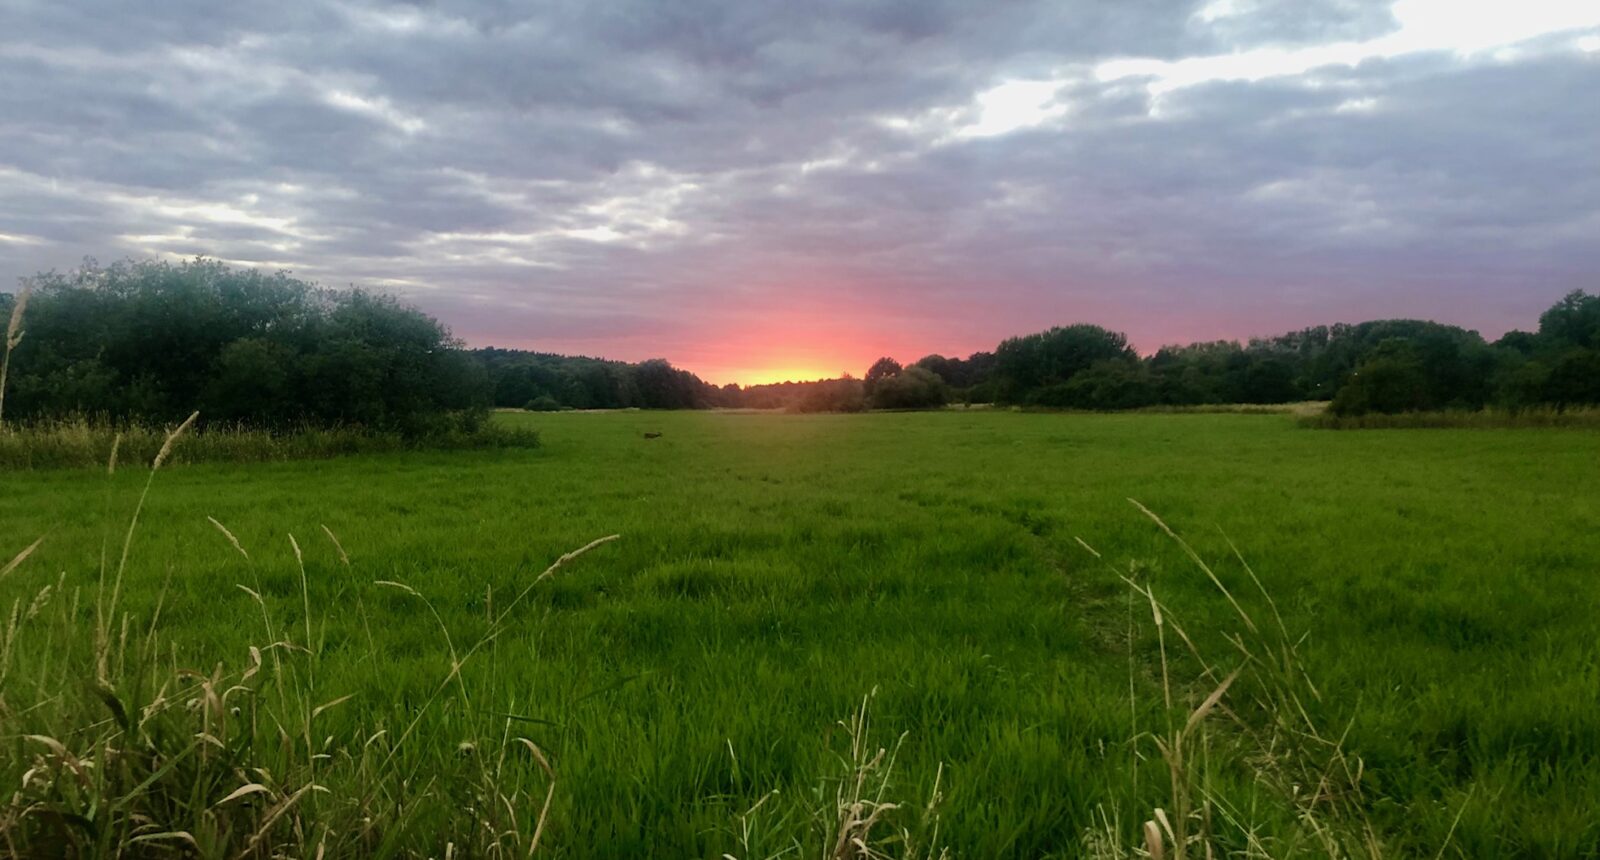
772, 375
794, 344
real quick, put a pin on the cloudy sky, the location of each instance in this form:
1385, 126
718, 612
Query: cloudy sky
758, 189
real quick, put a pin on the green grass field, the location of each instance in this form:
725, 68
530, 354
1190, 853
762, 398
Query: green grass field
774, 570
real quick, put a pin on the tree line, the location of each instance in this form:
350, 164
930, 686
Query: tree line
150, 341
1382, 366
545, 382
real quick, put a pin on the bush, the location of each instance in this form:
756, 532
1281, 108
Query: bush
911, 388
832, 395
543, 403
1387, 384
1573, 378
1106, 385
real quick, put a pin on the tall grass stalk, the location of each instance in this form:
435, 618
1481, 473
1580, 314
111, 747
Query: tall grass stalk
80, 443
13, 339
106, 609
1267, 700
854, 813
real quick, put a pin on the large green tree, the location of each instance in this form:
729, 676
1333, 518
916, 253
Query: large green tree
1025, 365
152, 341
1572, 321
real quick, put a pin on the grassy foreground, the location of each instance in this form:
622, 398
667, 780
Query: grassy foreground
695, 688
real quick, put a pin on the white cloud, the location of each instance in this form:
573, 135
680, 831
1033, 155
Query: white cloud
378, 108
1465, 26
1453, 26
1012, 106
1217, 10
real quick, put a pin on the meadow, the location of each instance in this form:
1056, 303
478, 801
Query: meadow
974, 593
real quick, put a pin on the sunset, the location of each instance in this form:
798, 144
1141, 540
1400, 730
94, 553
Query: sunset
773, 430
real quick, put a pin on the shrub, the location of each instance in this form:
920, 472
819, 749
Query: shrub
1388, 383
1573, 378
1106, 385
832, 395
911, 388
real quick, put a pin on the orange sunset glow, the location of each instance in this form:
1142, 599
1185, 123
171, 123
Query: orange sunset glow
786, 357
782, 363
797, 342
768, 375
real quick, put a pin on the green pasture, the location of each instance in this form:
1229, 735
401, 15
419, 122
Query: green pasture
1441, 589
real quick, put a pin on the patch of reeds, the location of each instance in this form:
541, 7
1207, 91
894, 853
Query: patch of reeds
854, 814
1250, 714
1301, 408
80, 443
1579, 418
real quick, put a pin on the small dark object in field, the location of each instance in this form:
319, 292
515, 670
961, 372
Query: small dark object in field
652, 435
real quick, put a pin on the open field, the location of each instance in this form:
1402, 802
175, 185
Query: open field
773, 570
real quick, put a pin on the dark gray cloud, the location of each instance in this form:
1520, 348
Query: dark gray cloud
767, 185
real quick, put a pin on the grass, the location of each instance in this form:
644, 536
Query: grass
1303, 408
704, 685
13, 339
1584, 418
82, 444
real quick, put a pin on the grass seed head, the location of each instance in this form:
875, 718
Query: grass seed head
166, 447
14, 328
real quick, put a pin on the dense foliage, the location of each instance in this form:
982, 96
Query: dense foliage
152, 341
1383, 366
545, 382
1038, 367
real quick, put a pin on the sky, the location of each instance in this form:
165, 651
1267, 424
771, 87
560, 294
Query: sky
763, 189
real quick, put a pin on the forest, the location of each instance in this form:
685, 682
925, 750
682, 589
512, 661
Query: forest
151, 341
1380, 366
